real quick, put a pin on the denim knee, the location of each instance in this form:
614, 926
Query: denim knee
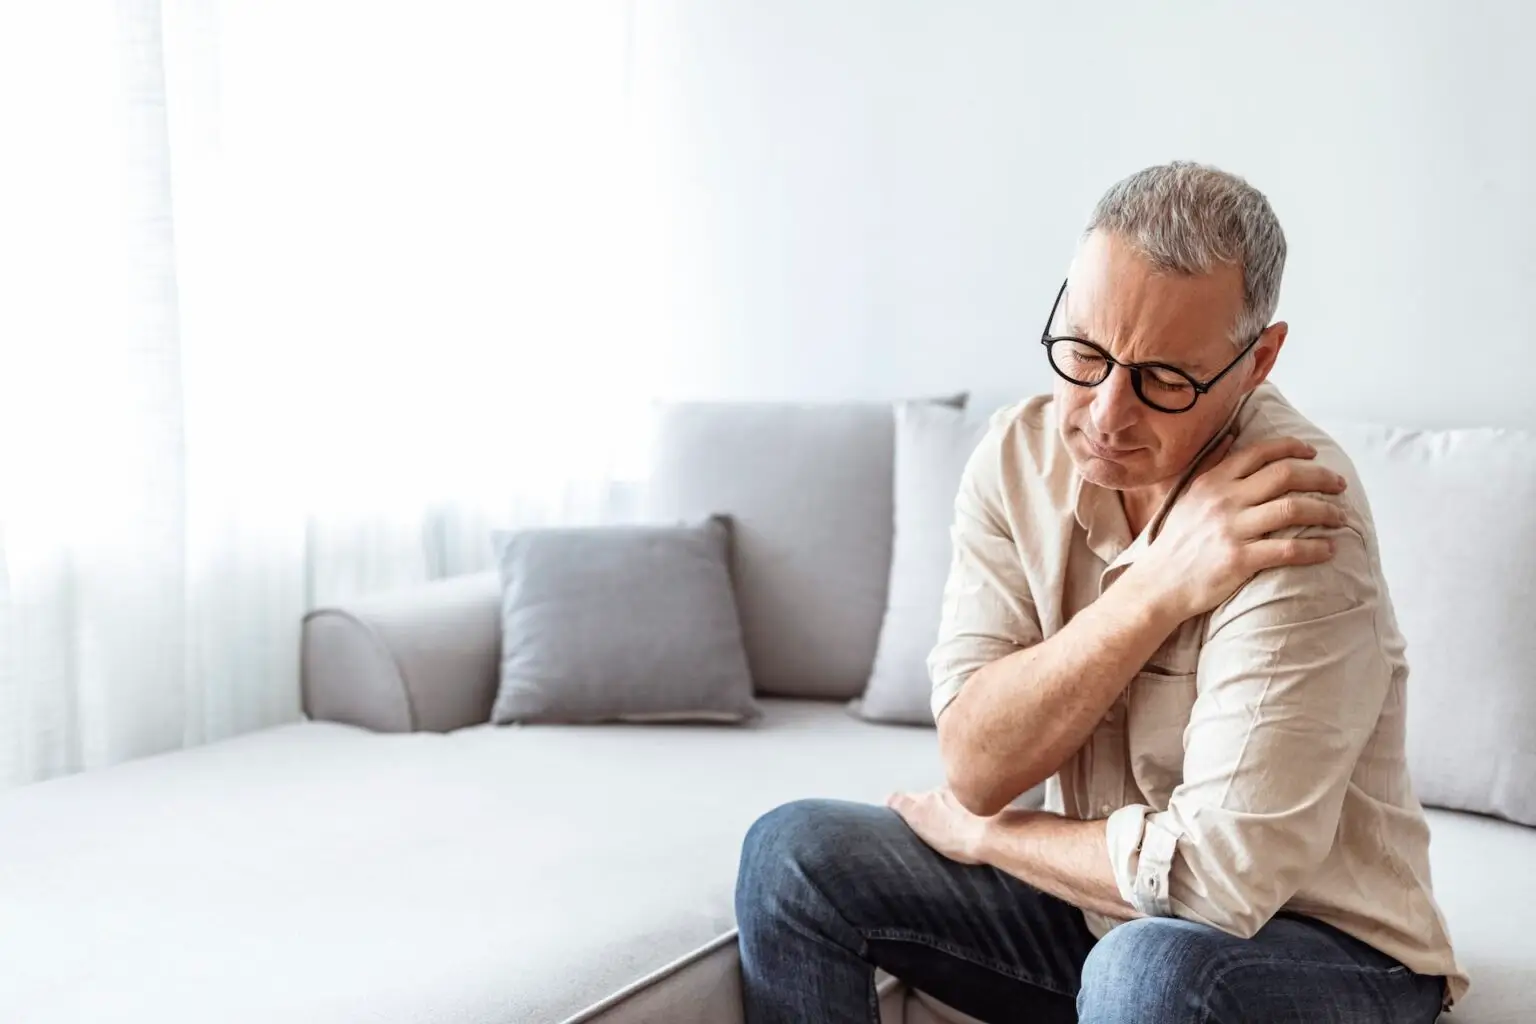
1153, 970
784, 852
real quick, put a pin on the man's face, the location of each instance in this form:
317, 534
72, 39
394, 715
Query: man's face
1141, 315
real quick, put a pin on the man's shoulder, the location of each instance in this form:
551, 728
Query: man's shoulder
1347, 579
1268, 415
1031, 417
1021, 452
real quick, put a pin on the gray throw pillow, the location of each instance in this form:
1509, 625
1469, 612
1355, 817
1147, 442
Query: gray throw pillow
620, 623
933, 445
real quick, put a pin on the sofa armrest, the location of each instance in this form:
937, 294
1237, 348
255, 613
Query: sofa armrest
423, 659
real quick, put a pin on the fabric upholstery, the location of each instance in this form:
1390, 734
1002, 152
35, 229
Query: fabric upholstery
704, 987
1455, 514
933, 444
321, 873
620, 623
808, 490
420, 658
1479, 865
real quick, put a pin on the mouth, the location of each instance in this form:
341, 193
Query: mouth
1105, 452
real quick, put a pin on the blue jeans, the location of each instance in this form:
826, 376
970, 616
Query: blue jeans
829, 890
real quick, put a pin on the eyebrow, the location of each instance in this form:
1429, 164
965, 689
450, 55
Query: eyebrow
1200, 373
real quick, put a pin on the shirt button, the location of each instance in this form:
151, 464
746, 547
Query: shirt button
1104, 809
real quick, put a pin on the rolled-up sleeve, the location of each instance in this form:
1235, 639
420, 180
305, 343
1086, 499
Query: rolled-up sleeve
988, 611
1291, 681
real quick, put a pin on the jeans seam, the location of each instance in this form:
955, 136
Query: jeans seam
1219, 979
997, 967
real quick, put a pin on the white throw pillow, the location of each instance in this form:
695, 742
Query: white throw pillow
1455, 515
933, 444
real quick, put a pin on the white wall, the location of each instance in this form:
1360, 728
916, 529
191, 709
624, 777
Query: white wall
879, 197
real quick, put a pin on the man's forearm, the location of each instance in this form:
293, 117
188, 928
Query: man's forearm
1067, 858
1016, 720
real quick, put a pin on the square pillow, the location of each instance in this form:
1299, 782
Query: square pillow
620, 623
933, 445
1455, 517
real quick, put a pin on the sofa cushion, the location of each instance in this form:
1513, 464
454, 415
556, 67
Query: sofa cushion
322, 873
1455, 515
933, 444
1479, 866
620, 623
808, 490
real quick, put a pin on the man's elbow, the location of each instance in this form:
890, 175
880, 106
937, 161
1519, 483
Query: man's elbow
1240, 922
975, 795
1229, 900
974, 784
1237, 919
980, 783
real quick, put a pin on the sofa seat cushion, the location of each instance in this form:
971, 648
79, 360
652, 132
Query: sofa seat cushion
320, 872
1480, 868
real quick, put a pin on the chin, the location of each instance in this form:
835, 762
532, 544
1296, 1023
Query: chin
1105, 473
1108, 472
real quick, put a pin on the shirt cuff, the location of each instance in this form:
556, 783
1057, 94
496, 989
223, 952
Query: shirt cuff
1141, 851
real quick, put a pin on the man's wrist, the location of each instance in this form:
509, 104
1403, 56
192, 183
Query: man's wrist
1153, 603
999, 832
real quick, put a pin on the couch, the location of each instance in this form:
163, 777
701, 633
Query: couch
395, 858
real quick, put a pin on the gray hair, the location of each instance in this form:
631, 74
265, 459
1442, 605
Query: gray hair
1189, 217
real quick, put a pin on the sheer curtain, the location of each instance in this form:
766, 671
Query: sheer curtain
300, 298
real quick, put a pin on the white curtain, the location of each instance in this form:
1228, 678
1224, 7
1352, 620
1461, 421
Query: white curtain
298, 300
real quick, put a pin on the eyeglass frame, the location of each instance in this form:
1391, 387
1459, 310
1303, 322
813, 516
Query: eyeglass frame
1048, 339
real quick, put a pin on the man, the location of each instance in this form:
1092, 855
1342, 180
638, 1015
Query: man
1165, 602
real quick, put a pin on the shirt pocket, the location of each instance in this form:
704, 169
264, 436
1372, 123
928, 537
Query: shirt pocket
1160, 703
1178, 655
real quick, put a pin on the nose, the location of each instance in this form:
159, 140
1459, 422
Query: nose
1115, 407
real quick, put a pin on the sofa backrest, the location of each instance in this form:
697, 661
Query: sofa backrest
807, 487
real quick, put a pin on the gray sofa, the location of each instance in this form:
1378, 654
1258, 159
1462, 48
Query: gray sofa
394, 858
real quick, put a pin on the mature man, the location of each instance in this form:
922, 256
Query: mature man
1166, 603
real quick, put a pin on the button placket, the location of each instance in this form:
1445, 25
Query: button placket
1109, 761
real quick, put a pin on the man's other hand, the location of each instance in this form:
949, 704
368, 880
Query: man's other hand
1219, 533
940, 821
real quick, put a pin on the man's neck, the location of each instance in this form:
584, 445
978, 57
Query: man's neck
1141, 504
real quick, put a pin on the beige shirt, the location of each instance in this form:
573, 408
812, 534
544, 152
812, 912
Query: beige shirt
1257, 761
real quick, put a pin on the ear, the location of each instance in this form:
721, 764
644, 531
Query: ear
1265, 353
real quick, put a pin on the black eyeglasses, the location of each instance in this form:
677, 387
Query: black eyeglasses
1163, 387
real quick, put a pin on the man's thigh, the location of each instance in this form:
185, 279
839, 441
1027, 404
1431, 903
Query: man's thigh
972, 936
1294, 971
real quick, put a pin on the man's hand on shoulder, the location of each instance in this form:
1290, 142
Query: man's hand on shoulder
1220, 532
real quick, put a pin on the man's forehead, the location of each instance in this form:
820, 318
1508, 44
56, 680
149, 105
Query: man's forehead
1152, 315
